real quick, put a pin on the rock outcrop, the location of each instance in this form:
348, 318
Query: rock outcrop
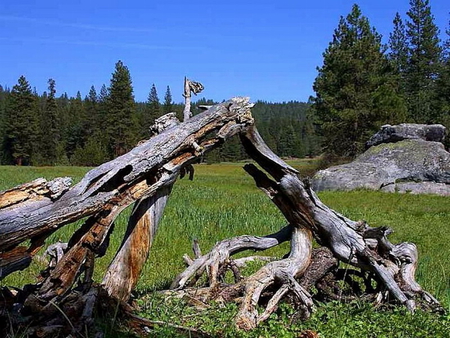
407, 131
413, 163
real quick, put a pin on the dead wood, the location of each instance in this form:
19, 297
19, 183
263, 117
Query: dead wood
145, 176
106, 190
368, 249
351, 242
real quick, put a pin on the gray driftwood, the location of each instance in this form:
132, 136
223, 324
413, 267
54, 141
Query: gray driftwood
144, 176
356, 243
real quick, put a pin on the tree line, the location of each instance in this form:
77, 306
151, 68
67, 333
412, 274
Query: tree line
364, 83
48, 129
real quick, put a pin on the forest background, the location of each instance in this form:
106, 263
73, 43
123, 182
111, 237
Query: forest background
363, 83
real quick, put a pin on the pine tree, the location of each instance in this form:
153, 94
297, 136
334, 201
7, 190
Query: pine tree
444, 83
78, 129
102, 106
424, 53
356, 91
398, 46
50, 127
121, 127
4, 95
168, 103
21, 122
154, 105
91, 109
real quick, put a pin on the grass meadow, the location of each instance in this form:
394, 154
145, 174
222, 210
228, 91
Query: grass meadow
223, 202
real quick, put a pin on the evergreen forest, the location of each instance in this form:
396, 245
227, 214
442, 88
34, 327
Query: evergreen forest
364, 81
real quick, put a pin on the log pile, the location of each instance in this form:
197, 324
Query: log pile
66, 300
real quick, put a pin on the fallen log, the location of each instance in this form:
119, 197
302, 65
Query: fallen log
352, 242
145, 176
106, 190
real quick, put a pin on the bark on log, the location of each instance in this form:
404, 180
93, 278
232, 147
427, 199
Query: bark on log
351, 242
138, 174
124, 271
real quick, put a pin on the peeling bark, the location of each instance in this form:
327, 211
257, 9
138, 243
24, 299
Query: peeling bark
123, 273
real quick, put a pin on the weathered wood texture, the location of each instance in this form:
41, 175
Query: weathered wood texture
124, 271
146, 175
349, 241
106, 190
190, 87
352, 242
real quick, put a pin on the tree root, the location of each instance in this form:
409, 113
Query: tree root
216, 261
391, 267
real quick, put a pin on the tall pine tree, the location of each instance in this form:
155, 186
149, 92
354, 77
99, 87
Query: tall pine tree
3, 99
151, 111
121, 123
168, 103
93, 119
21, 123
50, 128
444, 83
424, 62
398, 47
356, 91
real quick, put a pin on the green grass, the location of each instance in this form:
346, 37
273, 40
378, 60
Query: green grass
222, 202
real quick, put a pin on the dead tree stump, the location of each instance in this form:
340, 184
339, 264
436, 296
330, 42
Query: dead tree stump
144, 176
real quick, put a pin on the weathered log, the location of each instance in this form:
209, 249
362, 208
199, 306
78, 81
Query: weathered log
222, 252
190, 86
37, 190
123, 273
350, 241
281, 272
106, 190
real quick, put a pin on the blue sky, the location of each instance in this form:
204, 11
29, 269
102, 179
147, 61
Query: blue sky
263, 49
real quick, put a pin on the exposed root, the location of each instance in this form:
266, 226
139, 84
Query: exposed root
283, 273
219, 257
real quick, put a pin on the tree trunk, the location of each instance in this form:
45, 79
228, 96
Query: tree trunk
32, 211
106, 190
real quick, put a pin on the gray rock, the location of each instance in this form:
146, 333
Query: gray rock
407, 131
411, 160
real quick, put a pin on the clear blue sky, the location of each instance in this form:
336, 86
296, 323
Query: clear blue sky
263, 49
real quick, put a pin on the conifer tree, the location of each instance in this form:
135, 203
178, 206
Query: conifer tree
168, 103
422, 72
77, 131
50, 127
21, 122
154, 105
121, 127
3, 98
398, 48
356, 91
4, 94
92, 113
444, 83
103, 105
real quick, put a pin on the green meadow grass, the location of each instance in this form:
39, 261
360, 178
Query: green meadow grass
223, 202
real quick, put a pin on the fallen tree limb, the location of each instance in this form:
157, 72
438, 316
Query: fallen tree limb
152, 165
350, 241
146, 175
